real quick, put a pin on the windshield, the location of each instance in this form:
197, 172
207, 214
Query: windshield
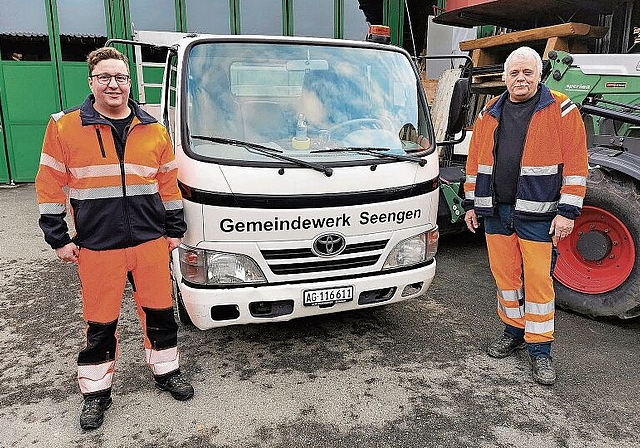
308, 101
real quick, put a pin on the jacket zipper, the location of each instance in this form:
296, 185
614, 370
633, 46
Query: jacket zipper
124, 186
494, 205
100, 143
122, 172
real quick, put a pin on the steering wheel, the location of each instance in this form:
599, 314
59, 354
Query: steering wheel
341, 130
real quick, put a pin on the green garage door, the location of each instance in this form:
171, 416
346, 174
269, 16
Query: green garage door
28, 83
31, 95
4, 173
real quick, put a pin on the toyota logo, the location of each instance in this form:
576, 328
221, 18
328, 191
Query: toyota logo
329, 244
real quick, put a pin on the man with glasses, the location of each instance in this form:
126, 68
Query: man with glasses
115, 163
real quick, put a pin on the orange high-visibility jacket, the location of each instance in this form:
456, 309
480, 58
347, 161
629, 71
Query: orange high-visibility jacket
116, 201
553, 169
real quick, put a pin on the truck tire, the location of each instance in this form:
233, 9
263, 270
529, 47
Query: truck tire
598, 268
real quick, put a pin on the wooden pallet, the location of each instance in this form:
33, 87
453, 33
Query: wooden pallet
492, 50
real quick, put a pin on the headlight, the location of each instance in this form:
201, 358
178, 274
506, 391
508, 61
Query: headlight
209, 267
414, 250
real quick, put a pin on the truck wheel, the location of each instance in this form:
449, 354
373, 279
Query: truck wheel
598, 268
181, 311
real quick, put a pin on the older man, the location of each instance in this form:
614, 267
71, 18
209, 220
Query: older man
526, 176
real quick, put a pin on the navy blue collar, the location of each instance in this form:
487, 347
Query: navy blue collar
90, 116
546, 98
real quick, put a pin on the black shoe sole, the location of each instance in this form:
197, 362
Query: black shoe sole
97, 424
520, 346
543, 381
176, 396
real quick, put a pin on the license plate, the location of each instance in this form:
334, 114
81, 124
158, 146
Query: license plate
312, 297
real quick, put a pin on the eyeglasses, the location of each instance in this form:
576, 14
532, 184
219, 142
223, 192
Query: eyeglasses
105, 78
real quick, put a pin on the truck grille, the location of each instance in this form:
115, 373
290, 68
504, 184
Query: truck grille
276, 259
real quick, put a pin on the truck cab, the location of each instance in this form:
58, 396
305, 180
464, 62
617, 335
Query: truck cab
309, 176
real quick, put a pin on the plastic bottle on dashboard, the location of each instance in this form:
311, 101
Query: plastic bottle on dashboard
301, 128
301, 140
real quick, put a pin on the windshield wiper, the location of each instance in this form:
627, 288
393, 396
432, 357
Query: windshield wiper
374, 151
270, 152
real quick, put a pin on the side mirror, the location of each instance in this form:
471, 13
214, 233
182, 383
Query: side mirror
458, 107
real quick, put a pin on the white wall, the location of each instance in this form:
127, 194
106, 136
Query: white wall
443, 40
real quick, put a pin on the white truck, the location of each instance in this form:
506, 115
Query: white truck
309, 173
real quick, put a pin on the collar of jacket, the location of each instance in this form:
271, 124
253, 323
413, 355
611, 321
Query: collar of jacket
89, 116
546, 98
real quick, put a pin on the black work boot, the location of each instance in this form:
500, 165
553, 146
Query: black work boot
179, 388
504, 346
543, 370
92, 413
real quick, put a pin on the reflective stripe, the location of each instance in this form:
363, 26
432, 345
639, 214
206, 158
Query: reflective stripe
471, 179
485, 169
112, 170
112, 192
540, 308
574, 180
52, 209
47, 160
512, 313
571, 199
140, 170
173, 165
57, 116
95, 171
162, 361
511, 294
95, 377
469, 195
173, 205
539, 170
566, 107
515, 297
539, 327
535, 206
483, 201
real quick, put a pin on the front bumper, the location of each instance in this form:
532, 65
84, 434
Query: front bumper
210, 308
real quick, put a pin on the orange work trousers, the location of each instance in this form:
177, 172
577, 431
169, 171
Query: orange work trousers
521, 256
522, 271
103, 275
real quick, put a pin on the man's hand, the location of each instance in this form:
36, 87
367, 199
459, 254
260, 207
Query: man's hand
68, 253
561, 227
471, 220
173, 243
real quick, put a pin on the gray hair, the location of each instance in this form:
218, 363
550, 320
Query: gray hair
523, 53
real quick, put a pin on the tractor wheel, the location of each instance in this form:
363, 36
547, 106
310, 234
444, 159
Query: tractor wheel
598, 268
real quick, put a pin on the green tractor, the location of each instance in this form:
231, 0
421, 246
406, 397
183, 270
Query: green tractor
598, 271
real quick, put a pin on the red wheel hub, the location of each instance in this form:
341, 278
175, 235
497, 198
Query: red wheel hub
598, 255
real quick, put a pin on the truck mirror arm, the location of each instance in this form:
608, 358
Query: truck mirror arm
463, 134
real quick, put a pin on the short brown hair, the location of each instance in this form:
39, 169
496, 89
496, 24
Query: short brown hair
102, 54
